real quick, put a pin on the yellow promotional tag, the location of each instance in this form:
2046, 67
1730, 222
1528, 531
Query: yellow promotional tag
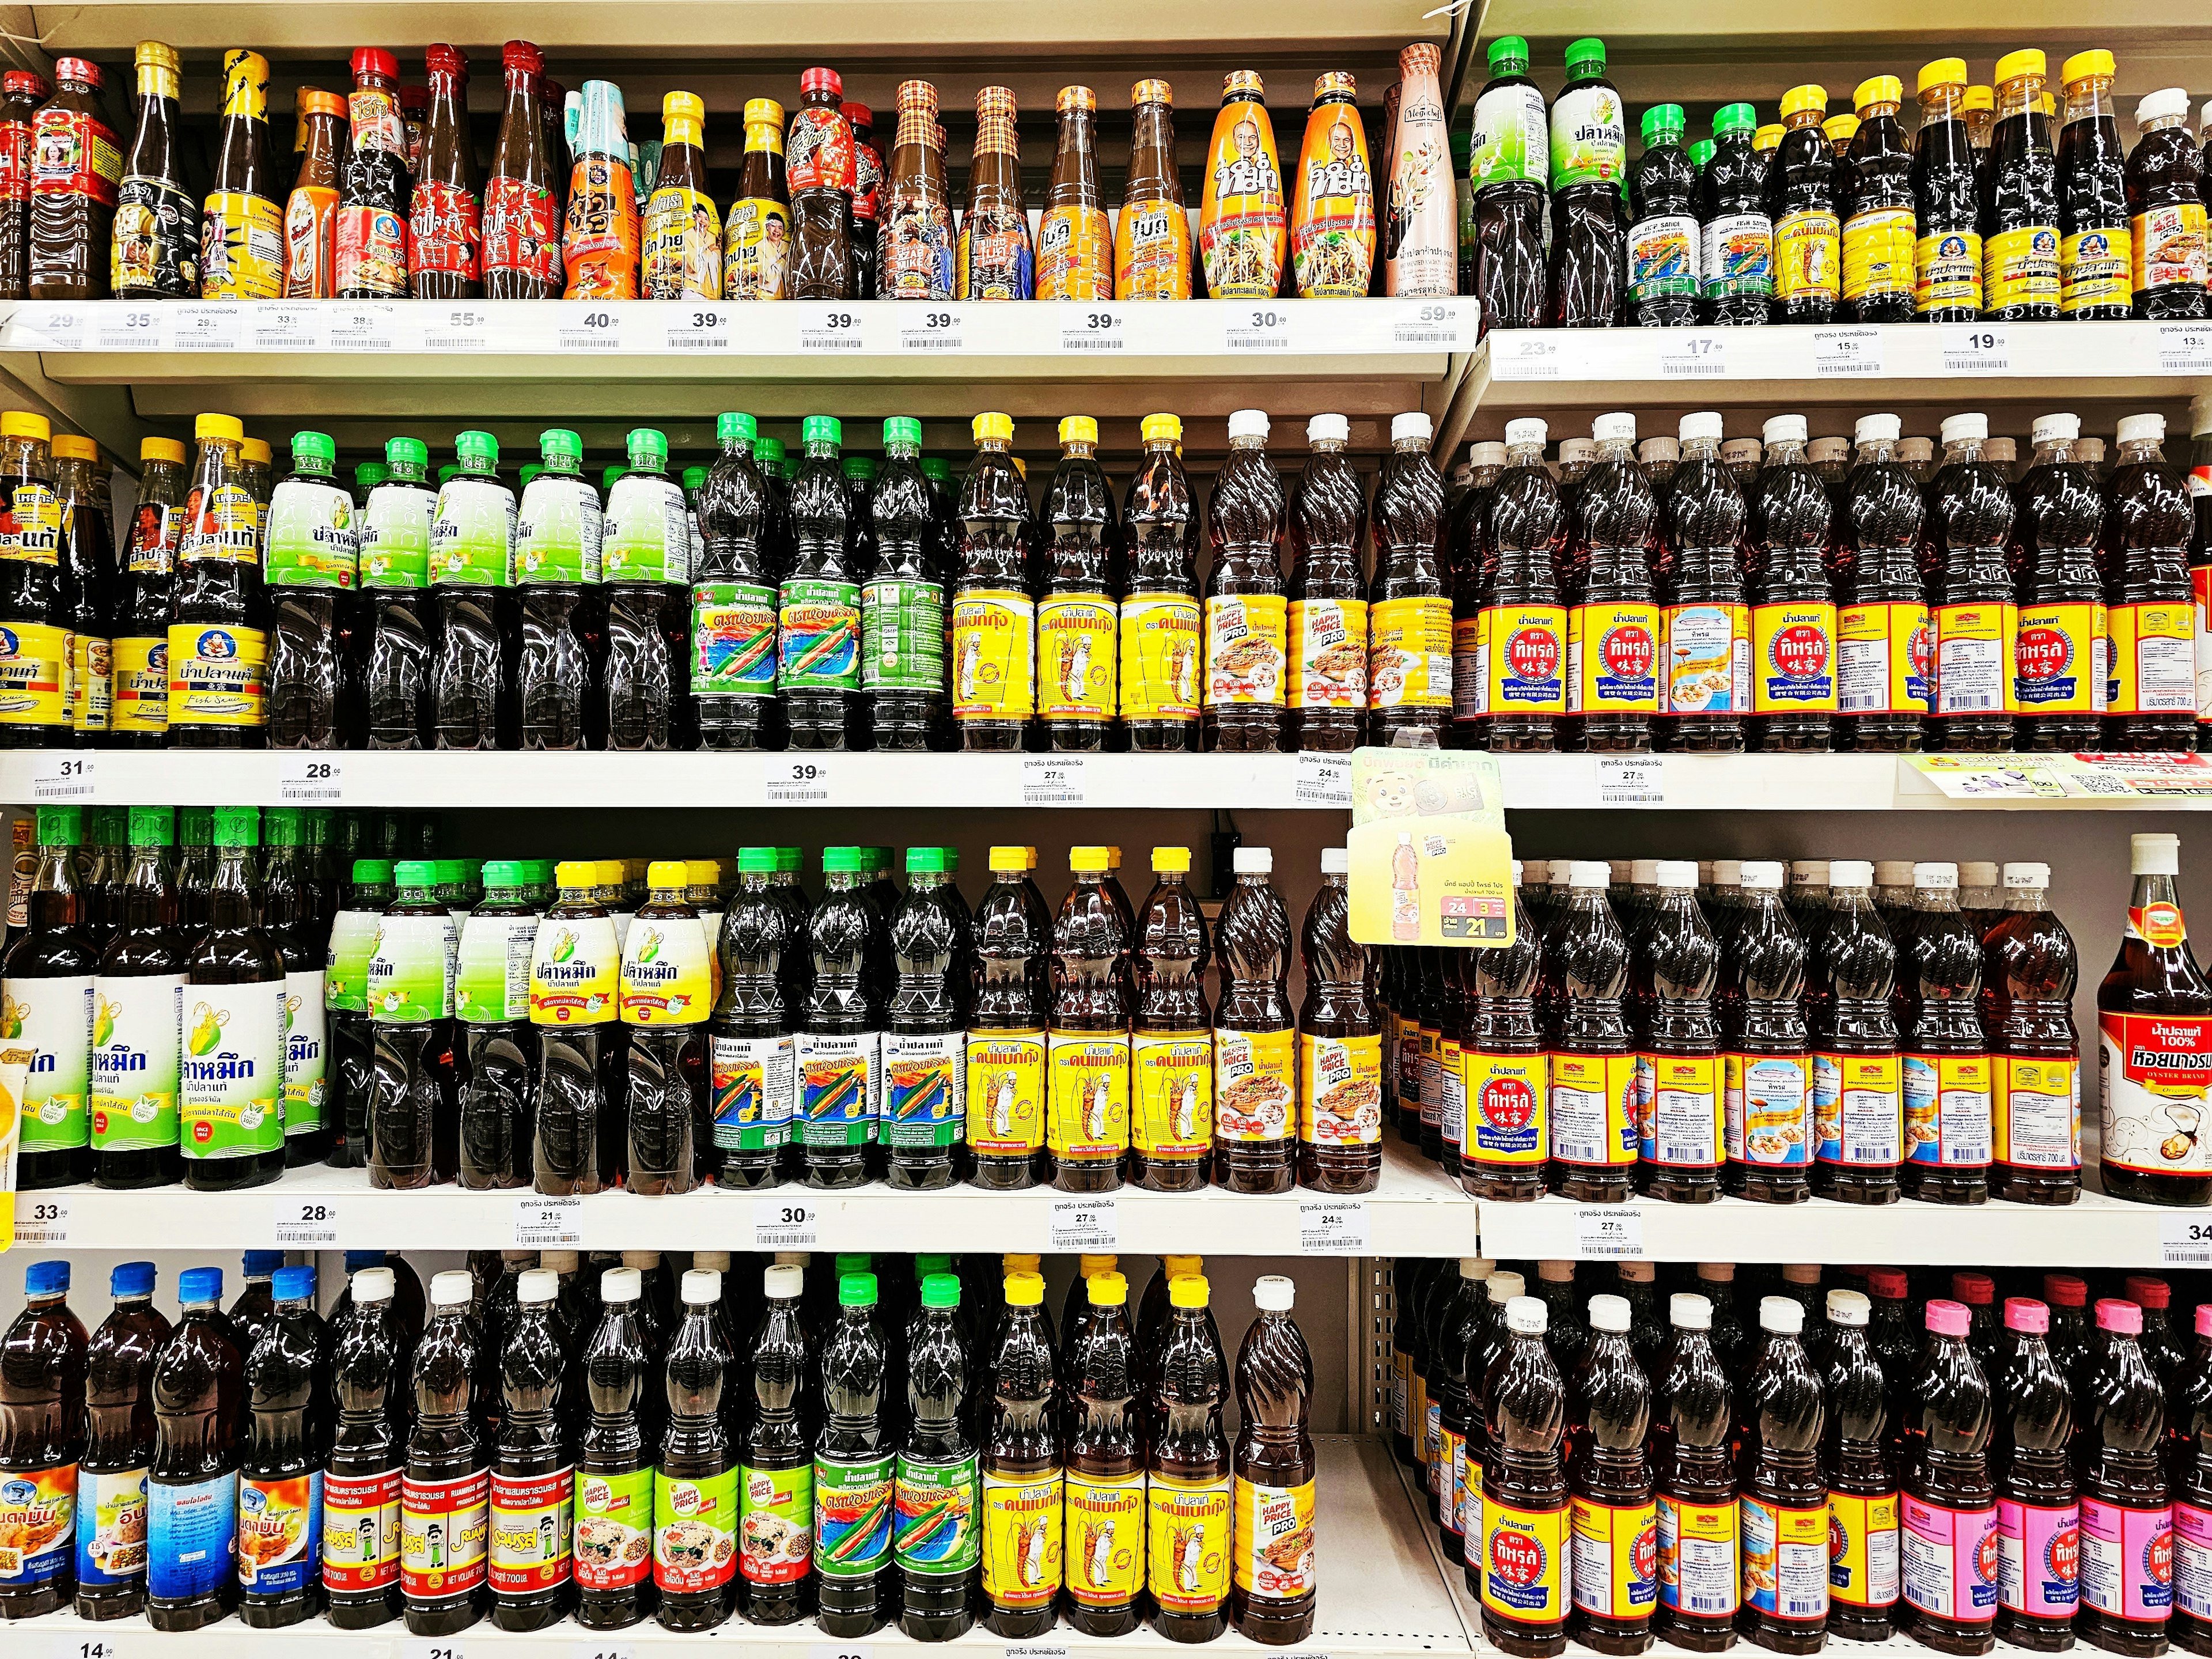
1431, 863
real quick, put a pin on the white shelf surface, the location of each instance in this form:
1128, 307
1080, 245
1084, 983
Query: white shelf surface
1380, 1596
1414, 1212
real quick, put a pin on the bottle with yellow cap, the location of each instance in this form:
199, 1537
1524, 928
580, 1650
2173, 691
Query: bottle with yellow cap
219, 619
1978, 109
1340, 1047
257, 470
1331, 225
88, 564
1246, 613
1152, 242
1242, 227
1087, 1104
1808, 234
1255, 1119
1006, 1043
680, 235
667, 994
1077, 624
1023, 1489
1105, 1478
2021, 257
138, 654
575, 974
2095, 235
1876, 198
1187, 1477
1767, 139
2165, 181
242, 225
993, 617
1171, 1046
756, 239
155, 239
1946, 253
1162, 643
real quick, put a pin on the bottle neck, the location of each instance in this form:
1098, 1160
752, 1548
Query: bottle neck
1944, 103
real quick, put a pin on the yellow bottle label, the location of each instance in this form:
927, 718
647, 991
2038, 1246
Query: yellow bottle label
241, 247
2153, 659
1329, 652
2167, 243
681, 236
1162, 643
2059, 654
1275, 1538
1509, 1118
1878, 253
1340, 1091
993, 655
1105, 1538
1807, 256
1188, 1543
1793, 658
1256, 1085
1244, 647
91, 682
1172, 1074
1152, 251
1612, 658
1593, 1108
1076, 638
1862, 1550
141, 685
1523, 1562
1087, 1098
1616, 1557
1075, 254
35, 674
2035, 1112
1946, 270
2020, 268
1409, 654
1006, 1092
215, 675
1523, 651
2095, 268
31, 528
1885, 659
756, 249
1022, 1527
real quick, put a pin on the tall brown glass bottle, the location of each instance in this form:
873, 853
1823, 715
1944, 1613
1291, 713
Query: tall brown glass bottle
21, 93
218, 610
914, 251
1151, 243
521, 211
995, 258
242, 223
682, 234
37, 597
139, 651
1075, 243
155, 245
373, 184
87, 557
76, 167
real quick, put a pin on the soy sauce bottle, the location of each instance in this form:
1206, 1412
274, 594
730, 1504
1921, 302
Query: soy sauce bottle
1522, 1574
1947, 252
47, 982
446, 1486
473, 675
2039, 1515
776, 1472
1616, 1591
1802, 199
2021, 209
1949, 1512
2095, 266
558, 532
2126, 1520
734, 598
1784, 1506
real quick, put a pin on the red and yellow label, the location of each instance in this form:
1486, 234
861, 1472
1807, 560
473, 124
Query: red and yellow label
1524, 653
1255, 1082
2093, 269
1171, 1073
1507, 1117
1885, 659
1524, 1563
2035, 1112
1006, 1092
1105, 1539
1087, 1093
1793, 658
2059, 653
1974, 658
1163, 647
1612, 658
1807, 256
2168, 246
91, 684
1616, 1557
1022, 1534
1188, 1543
1862, 1550
1340, 1091
1152, 251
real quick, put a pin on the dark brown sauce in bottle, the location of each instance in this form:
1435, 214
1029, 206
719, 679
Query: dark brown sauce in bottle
1255, 1037
369, 1363
1615, 1509
1171, 1044
822, 171
1274, 1465
446, 1485
1948, 1514
1327, 621
1187, 1470
1521, 1562
2038, 1516
2127, 1525
445, 232
119, 1397
21, 92
521, 249
1340, 1046
1861, 1489
76, 167
1105, 1466
42, 1438
156, 233
1508, 1132
373, 184
1021, 1469
1586, 971
242, 225
1699, 1572
1087, 1107
199, 1387
1246, 611
1784, 1507
614, 1466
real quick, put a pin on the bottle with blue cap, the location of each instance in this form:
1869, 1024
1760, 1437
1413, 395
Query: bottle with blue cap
647, 564
46, 985
256, 1297
42, 1371
413, 1095
280, 1485
191, 1482
395, 576
369, 1358
818, 603
479, 621
230, 1096
111, 1479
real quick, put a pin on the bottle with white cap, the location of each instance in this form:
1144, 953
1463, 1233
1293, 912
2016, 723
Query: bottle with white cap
1858, 1101
1882, 664
1785, 1499
1682, 1134
1693, 1414
2061, 647
1970, 515
1509, 669
1613, 620
1862, 1529
1793, 608
2150, 521
1327, 693
1272, 1470
1576, 456
2154, 1027
1340, 1046
695, 1557
2029, 967
1162, 642
361, 1479
1255, 1080
1946, 1063
1409, 656
1453, 1384
775, 1473
2165, 183
1767, 1063
532, 1484
444, 1488
1706, 627
1246, 611
1078, 625
1506, 1078
1522, 1572
1616, 1514
614, 1463
1592, 1065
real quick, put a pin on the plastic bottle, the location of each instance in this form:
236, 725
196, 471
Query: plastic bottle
1506, 1079
219, 607
667, 994
2027, 1005
289, 916
925, 1108
1947, 1063
1879, 231
695, 1560
1022, 1481
1612, 622
280, 1493
1006, 1042
401, 643
1593, 1073
2023, 214
1615, 1517
1970, 516
413, 1111
1273, 1463
1682, 1131
1171, 1047
853, 1466
1768, 1065
191, 1481
1511, 659
614, 1491
111, 1495
646, 559
2143, 555
1521, 1567
1946, 254
1705, 624
1078, 626
43, 1394
1327, 616
2061, 652
734, 599
1255, 1037
1510, 163
1163, 644
2166, 210
819, 630
993, 615
1861, 1519
2039, 1518
230, 1091
1589, 163
559, 533
1188, 1481
2093, 247
2127, 1521
311, 559
1340, 1046
48, 984
1662, 249
1884, 640
1246, 610
838, 1047
1105, 1478
2192, 1524
935, 1541
575, 968
1793, 612
1784, 1506
776, 1477
1087, 1053
1857, 1087
530, 1562
1802, 199
1949, 1525
1737, 239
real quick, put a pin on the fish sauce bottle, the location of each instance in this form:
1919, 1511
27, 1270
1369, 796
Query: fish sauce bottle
1947, 1063
2127, 1519
1409, 662
310, 564
2166, 210
1022, 1480
751, 1050
734, 609
1510, 663
666, 993
575, 968
280, 1488
1589, 156
1328, 615
2143, 554
531, 1561
1006, 1052
1520, 1564
191, 1482
1171, 1043
1614, 1509
1879, 231
2039, 1515
1087, 1100
993, 612
2061, 651
614, 1489
1078, 625
695, 1485
852, 1475
645, 560
902, 601
1255, 1035
1509, 164
1188, 1481
1106, 1520
775, 1473
1162, 640
2029, 967
1971, 594
1461, 1314
1861, 1519
1736, 252
138, 652
818, 615
47, 982
1857, 1086
1663, 232
413, 1109
1950, 1514
1785, 1505
1705, 624
1593, 1069
1946, 249
472, 678
936, 1544
111, 1495
925, 1080
1246, 613
2023, 216
1700, 1583
558, 535
1682, 1132
1505, 1077
2095, 256
401, 644
1885, 636
1274, 1577
839, 1046
1339, 1045
1613, 618
231, 1077
1803, 199
219, 607
1793, 612
42, 1390
2189, 1396
1769, 1077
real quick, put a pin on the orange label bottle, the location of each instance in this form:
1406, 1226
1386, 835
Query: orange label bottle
1151, 241
1332, 197
1242, 226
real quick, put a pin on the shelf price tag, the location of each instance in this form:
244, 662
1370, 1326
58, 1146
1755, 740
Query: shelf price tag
129, 328
68, 1644
588, 326
1333, 1226
1605, 1229
1096, 326
44, 327
1847, 352
833, 329
371, 326
929, 328
1323, 781
307, 779
41, 1219
786, 1224
613, 1648
2184, 348
1692, 354
432, 1647
1255, 328
2184, 1241
456, 328
797, 782
1528, 355
1053, 781
1631, 781
540, 1222
857, 1651
205, 328
1977, 347
695, 327
59, 779
1083, 1224
275, 326
306, 1223
1432, 325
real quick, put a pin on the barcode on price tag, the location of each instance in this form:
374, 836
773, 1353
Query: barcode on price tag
1094, 328
1049, 782
456, 328
131, 328
205, 328
1847, 352
797, 783
929, 328
1323, 781
1603, 1231
1085, 1224
306, 1223
785, 1223
41, 1220
1434, 324
310, 779
2184, 1241
1631, 781
278, 327
1333, 1226
1977, 349
364, 328
543, 1222
1688, 353
696, 328
1526, 354
63, 778
2184, 348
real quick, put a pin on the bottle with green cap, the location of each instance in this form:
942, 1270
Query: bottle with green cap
289, 915
195, 864
667, 992
818, 605
230, 1091
366, 475
575, 969
313, 549
1736, 245
137, 1011
1589, 156
853, 1465
368, 893
1663, 232
694, 476
491, 999
734, 598
938, 1476
472, 582
395, 578
925, 1071
413, 1103
557, 532
839, 1045
648, 559
902, 600
750, 1046
47, 1003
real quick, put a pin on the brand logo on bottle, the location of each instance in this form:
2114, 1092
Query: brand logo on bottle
1628, 652
1508, 1103
1533, 654
1801, 651
1518, 1559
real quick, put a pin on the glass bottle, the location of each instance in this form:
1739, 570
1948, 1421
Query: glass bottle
242, 225
914, 242
521, 206
1242, 225
994, 259
445, 231
600, 233
74, 166
21, 92
1152, 239
375, 184
756, 235
680, 235
2153, 1005
156, 228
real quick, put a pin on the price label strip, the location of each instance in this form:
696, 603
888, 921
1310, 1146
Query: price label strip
1603, 1231
696, 328
1323, 781
1094, 328
1256, 328
279, 327
131, 328
1977, 349
1847, 351
1686, 354
62, 778
304, 779
2184, 1241
41, 1220
929, 328
540, 1222
373, 327
456, 328
1432, 325
1053, 781
306, 1223
1631, 781
1333, 1226
589, 328
786, 1224
797, 783
1085, 1224
206, 328
2184, 349
1529, 354
837, 329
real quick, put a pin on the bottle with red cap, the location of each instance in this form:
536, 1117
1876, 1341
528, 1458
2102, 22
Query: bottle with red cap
521, 213
2127, 1520
2027, 1005
2161, 1344
1784, 1507
820, 167
2154, 1026
1889, 1331
373, 184
2190, 1453
867, 183
2039, 1518
2067, 1297
1979, 1292
444, 226
1862, 1532
1950, 1514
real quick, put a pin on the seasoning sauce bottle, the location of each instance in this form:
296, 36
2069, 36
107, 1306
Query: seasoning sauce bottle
756, 236
2152, 1006
521, 248
311, 210
75, 167
2166, 211
1243, 226
1326, 620
375, 184
1151, 241
1023, 1484
2095, 257
445, 1486
599, 231
822, 173
1946, 253
1521, 1557
1949, 1513
1273, 1470
191, 1479
1075, 243
2027, 1005
1509, 165
1007, 1043
445, 240
614, 1493
1188, 1481
1255, 1035
242, 225
1615, 1517
696, 1479
1332, 222
1784, 1506
1862, 1520
1171, 1061
994, 260
21, 92
682, 234
915, 246
2127, 1521
47, 979
156, 231
2021, 219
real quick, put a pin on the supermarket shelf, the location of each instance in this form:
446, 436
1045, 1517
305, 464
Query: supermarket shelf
2095, 1228
1378, 1597
1415, 1212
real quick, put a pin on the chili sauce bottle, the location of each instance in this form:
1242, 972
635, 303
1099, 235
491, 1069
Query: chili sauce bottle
1328, 615
1520, 1563
445, 240
2095, 254
1802, 200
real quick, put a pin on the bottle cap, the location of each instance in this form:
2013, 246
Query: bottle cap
1412, 424
718, 1260
237, 826
1335, 861
1490, 451
1642, 872
1248, 424
1893, 872
2030, 63
1676, 873
1975, 1290
1877, 429
1273, 1293
2141, 428
262, 1264
1171, 861
1827, 449
2205, 1309
131, 1278
621, 1285
1508, 49
1848, 1308
647, 448
1637, 1272
1526, 1316
2167, 102
1798, 100
1013, 1262
940, 1291
1887, 1283
823, 80
1965, 428
1009, 860
1503, 1287
1947, 1318
1784, 429
1476, 1268
1941, 72
2079, 67
1608, 1313
992, 425
1880, 90
1577, 449
1808, 873
1328, 428
372, 1284
1703, 423
2154, 855
1078, 430
1161, 428
1734, 117
1728, 873
702, 1286
1108, 1290
2055, 429
1525, 431
1780, 1314
1191, 1291
1936, 877
1587, 54
1610, 429
2065, 1290
2114, 1315
2145, 1291
856, 1291
1690, 1312
474, 447
46, 1278
663, 874
70, 448
2025, 1313
1086, 860
1587, 873
416, 874
534, 1285
1025, 1290
455, 1289
149, 449
1662, 120
2021, 878
1253, 860
218, 428
196, 1286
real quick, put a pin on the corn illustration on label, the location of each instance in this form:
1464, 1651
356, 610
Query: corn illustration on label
838, 1082
230, 1090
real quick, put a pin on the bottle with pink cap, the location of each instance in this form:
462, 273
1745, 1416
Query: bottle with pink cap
1949, 1518
2127, 1521
2190, 1450
2039, 1518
